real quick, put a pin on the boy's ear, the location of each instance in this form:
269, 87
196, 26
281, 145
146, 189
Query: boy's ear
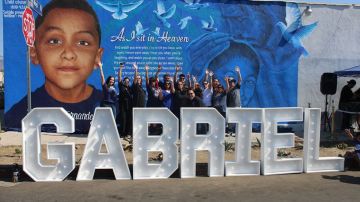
33, 56
99, 54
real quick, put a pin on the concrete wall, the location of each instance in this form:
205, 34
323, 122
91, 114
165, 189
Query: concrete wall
334, 45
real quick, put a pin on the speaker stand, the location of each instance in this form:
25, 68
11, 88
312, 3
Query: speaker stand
326, 117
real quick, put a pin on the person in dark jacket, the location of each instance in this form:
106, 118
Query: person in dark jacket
138, 92
125, 104
346, 97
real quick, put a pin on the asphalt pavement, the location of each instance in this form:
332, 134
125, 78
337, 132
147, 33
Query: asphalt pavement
335, 186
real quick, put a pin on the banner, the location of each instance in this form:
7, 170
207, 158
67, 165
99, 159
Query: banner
262, 38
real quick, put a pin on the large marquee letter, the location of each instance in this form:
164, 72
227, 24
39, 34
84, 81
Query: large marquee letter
64, 153
312, 161
103, 131
165, 143
191, 142
243, 165
271, 141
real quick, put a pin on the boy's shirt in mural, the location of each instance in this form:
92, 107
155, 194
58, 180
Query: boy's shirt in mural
82, 112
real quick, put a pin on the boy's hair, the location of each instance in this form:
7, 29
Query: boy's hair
82, 5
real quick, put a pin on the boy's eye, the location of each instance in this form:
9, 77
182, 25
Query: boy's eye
54, 41
83, 43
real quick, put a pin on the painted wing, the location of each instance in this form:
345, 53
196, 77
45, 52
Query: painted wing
157, 31
189, 1
131, 6
183, 23
293, 17
211, 24
160, 7
112, 7
282, 27
138, 27
304, 31
204, 23
169, 13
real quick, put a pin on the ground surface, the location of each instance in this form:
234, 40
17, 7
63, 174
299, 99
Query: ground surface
337, 186
13, 154
327, 187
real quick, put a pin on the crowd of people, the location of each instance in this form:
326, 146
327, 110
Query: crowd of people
172, 92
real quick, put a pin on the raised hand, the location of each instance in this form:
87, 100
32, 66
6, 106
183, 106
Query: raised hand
177, 68
135, 66
237, 69
159, 67
211, 73
147, 67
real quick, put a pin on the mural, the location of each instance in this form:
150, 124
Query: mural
263, 38
329, 2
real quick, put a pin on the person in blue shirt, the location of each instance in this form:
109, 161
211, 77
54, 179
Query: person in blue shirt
168, 93
109, 91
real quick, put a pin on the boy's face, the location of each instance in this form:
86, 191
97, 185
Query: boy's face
67, 48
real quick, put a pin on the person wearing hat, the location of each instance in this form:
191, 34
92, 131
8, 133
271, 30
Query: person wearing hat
346, 96
219, 99
233, 90
233, 95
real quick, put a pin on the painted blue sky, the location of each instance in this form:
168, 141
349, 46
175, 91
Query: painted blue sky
1, 32
340, 2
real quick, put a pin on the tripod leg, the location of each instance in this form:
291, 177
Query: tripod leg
325, 113
329, 121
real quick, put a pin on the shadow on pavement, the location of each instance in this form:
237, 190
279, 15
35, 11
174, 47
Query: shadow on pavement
343, 178
6, 173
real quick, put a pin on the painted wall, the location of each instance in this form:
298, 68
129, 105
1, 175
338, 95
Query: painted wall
328, 2
287, 74
333, 46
